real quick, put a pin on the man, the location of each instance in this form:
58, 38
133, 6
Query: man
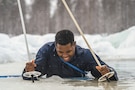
63, 56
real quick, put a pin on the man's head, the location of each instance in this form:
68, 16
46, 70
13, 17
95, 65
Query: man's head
65, 44
64, 37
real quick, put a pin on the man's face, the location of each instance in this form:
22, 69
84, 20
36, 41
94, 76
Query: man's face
66, 51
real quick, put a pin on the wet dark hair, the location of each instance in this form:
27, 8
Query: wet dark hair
64, 37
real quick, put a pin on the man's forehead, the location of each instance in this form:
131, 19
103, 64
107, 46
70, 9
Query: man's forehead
59, 45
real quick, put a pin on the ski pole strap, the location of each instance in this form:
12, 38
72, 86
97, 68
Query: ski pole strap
74, 67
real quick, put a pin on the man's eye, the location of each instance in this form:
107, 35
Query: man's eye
60, 52
69, 51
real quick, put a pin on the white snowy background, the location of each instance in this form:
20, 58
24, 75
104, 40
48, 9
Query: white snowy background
115, 46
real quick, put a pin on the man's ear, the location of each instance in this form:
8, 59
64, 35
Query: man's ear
74, 43
55, 44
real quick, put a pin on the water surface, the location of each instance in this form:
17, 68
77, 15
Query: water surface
125, 70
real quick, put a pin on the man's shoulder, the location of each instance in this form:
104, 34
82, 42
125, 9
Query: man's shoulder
80, 50
48, 45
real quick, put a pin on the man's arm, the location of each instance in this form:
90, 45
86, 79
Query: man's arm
39, 64
30, 66
105, 69
98, 71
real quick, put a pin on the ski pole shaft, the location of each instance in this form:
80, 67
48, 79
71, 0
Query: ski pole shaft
23, 27
79, 29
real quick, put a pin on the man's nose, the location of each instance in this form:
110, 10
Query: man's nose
64, 55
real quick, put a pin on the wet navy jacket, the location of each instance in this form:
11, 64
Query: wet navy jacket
49, 63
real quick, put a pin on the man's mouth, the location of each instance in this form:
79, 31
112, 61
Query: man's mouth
66, 58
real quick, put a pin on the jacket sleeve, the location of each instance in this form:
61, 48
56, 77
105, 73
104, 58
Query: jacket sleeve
97, 74
41, 61
91, 65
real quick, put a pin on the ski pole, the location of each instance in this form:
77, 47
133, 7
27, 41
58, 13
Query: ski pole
24, 32
79, 29
23, 27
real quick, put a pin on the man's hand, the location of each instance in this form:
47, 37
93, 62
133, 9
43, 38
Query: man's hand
30, 66
103, 69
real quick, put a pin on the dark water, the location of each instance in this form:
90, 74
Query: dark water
125, 70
